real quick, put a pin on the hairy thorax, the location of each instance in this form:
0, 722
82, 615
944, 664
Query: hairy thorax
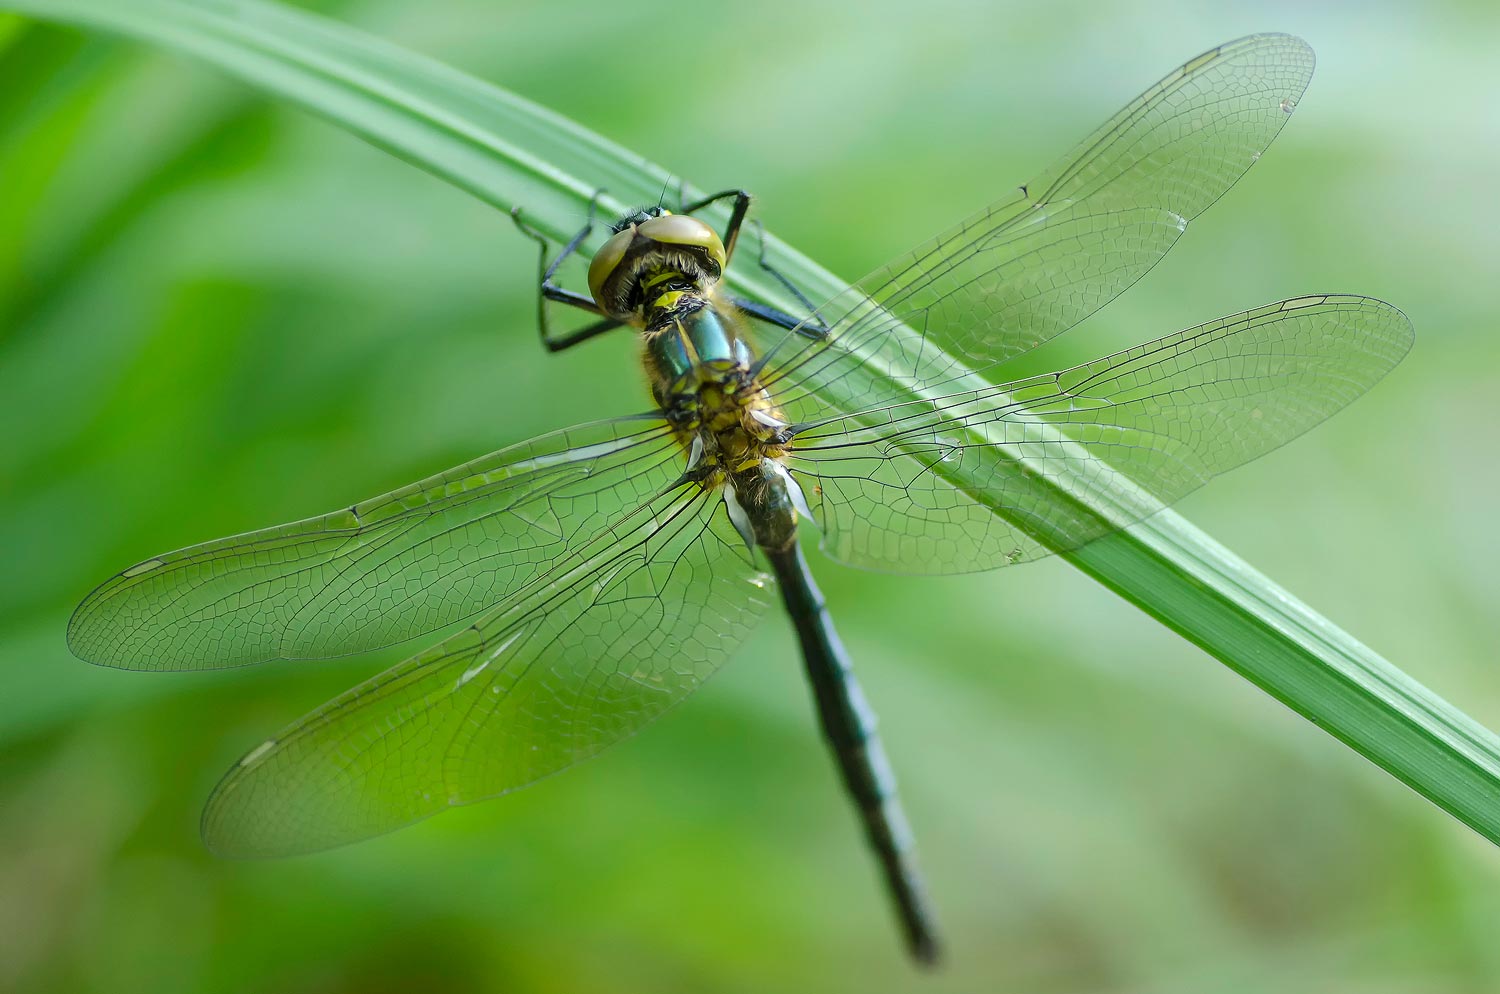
702, 375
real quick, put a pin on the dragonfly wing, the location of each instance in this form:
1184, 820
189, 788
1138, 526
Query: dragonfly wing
381, 571
1038, 262
610, 638
1129, 432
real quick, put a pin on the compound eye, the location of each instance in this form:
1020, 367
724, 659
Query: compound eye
679, 229
605, 260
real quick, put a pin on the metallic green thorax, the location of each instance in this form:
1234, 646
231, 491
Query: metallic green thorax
685, 330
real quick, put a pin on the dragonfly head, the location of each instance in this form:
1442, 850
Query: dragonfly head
650, 246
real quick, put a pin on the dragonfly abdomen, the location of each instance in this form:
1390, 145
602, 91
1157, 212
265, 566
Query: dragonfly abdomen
849, 726
764, 503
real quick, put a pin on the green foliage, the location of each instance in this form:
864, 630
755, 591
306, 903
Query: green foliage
209, 313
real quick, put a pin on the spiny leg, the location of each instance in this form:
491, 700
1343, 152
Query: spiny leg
813, 327
550, 291
736, 214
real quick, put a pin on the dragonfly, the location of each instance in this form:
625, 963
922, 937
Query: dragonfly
601, 573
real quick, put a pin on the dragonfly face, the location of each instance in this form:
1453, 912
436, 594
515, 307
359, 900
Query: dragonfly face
639, 274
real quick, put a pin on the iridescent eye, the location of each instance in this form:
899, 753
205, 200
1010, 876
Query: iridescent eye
605, 261
679, 229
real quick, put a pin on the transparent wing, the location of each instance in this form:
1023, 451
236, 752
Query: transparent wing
1163, 417
610, 638
382, 571
1062, 246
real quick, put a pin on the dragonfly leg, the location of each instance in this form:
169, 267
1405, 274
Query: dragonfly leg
551, 292
736, 215
813, 326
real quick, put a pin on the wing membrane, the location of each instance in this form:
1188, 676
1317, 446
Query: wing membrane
1164, 417
379, 572
1035, 264
612, 637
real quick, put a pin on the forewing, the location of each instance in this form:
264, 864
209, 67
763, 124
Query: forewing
1038, 262
589, 653
381, 571
1156, 421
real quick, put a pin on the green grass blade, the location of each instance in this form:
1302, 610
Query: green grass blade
507, 151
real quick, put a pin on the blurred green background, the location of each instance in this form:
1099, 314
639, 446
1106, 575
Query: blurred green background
217, 313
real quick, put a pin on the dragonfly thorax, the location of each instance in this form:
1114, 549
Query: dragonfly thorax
724, 419
703, 378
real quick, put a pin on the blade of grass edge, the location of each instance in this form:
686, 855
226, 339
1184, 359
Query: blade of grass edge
507, 151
